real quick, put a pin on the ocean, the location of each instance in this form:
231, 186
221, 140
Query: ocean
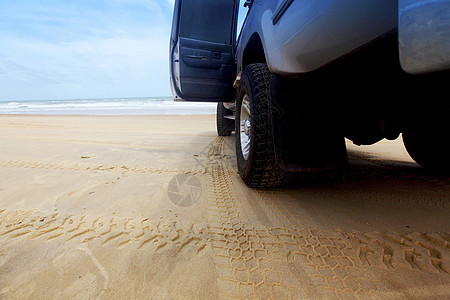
108, 106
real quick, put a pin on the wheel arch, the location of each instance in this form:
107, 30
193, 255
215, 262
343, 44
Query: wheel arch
253, 51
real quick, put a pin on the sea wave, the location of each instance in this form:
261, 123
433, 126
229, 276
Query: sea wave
113, 106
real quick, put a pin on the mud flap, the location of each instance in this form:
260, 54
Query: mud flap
305, 128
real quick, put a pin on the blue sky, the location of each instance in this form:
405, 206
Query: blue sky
67, 49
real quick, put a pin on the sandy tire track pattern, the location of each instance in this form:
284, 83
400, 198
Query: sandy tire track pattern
284, 260
113, 168
272, 262
106, 231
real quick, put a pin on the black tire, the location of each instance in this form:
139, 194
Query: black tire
224, 126
260, 168
427, 143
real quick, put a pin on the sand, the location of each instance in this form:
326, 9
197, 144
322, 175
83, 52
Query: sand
100, 207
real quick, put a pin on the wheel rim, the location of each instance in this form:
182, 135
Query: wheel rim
245, 126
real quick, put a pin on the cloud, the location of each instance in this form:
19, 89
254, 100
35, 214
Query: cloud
86, 69
114, 48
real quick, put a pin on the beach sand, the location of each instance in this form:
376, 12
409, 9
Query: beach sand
100, 207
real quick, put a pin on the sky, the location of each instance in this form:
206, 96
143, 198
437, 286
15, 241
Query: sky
82, 49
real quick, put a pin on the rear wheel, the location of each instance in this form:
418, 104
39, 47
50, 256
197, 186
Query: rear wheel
225, 122
254, 140
427, 143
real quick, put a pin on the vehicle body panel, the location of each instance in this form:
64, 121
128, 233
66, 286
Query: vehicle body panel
311, 34
424, 35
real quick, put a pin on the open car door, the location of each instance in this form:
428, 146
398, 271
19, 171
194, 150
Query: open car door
202, 48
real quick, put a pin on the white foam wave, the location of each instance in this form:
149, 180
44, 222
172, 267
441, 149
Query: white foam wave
120, 106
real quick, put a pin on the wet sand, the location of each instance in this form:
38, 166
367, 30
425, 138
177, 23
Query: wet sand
152, 207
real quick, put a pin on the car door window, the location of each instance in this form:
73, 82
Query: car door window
207, 20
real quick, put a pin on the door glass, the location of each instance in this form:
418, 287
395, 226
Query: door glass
207, 20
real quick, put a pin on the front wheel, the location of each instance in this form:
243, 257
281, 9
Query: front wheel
224, 120
254, 140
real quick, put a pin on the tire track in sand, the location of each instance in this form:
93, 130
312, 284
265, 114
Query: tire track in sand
288, 260
113, 168
106, 231
284, 259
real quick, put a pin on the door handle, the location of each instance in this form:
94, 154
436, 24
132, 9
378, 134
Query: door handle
196, 61
196, 57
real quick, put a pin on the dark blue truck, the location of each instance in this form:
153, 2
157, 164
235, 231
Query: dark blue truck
301, 76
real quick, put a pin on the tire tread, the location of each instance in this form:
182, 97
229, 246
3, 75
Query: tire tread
224, 126
264, 172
